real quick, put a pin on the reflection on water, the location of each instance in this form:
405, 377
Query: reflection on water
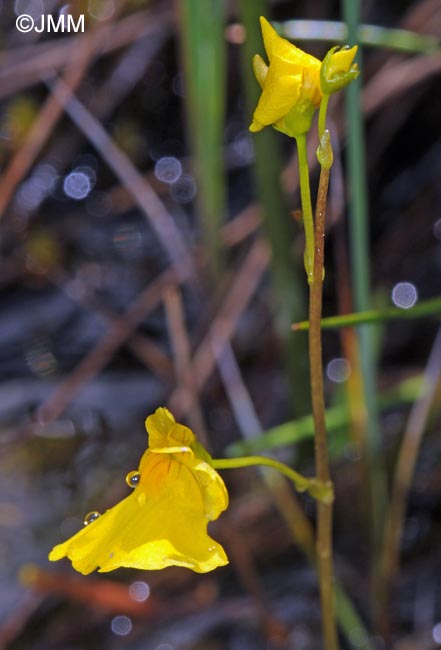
121, 625
404, 295
139, 591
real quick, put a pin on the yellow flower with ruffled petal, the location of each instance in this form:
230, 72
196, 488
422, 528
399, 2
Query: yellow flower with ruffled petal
164, 521
290, 85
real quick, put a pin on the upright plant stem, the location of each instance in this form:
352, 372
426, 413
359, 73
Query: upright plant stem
305, 194
315, 240
324, 512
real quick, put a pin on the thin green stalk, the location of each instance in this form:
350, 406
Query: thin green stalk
322, 491
305, 195
322, 115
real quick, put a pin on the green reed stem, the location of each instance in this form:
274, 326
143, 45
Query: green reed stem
202, 30
287, 278
360, 267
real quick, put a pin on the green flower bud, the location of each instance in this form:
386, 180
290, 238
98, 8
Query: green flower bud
337, 69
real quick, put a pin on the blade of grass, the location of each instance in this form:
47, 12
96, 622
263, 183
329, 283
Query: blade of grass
204, 49
401, 40
359, 245
287, 279
337, 419
430, 307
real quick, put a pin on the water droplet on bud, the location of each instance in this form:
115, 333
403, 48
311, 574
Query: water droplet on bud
132, 479
90, 517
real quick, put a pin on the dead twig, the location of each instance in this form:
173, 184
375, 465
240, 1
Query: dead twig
239, 551
46, 120
42, 60
118, 333
147, 200
19, 618
121, 80
404, 471
174, 310
224, 324
393, 80
142, 347
249, 426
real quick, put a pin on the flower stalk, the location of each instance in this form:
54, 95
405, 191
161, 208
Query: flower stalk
294, 85
305, 195
320, 490
324, 510
315, 275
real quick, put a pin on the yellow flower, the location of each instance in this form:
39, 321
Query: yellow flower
290, 85
338, 69
164, 521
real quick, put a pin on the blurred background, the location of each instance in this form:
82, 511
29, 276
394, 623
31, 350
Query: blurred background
151, 254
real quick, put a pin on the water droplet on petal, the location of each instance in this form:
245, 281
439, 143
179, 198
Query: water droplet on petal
91, 517
132, 479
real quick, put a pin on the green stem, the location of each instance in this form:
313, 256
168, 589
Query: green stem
361, 274
305, 195
322, 115
321, 491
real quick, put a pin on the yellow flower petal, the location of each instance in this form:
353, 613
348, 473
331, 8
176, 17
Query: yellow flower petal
292, 79
260, 69
164, 432
256, 126
278, 97
213, 489
286, 52
164, 521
